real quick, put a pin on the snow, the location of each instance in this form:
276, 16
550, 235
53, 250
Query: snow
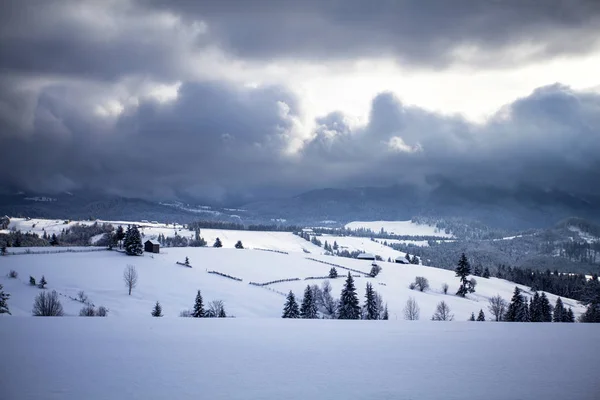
230, 359
99, 274
407, 228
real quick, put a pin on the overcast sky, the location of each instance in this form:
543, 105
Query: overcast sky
167, 98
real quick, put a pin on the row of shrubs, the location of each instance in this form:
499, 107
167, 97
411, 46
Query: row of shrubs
422, 284
273, 251
225, 275
272, 282
29, 251
317, 277
47, 304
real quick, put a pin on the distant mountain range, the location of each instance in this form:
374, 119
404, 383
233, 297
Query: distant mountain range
515, 209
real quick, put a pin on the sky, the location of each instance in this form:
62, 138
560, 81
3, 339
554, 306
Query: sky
251, 98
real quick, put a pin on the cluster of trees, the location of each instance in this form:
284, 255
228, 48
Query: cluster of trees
215, 309
20, 239
318, 302
196, 225
520, 309
4, 301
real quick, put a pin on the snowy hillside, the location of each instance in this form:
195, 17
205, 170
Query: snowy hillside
407, 228
99, 274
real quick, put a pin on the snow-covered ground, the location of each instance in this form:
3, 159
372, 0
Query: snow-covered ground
99, 274
408, 228
185, 358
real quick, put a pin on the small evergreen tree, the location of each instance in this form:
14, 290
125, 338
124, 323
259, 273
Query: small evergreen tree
472, 317
591, 314
516, 308
407, 256
4, 301
477, 270
119, 235
463, 270
414, 260
333, 273
3, 250
481, 316
371, 307
486, 273
239, 245
43, 282
385, 315
290, 309
133, 242
157, 310
308, 309
218, 243
53, 241
198, 306
559, 311
349, 307
32, 281
335, 245
534, 308
570, 317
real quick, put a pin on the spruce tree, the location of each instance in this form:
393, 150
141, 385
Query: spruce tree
198, 306
187, 261
349, 307
559, 314
239, 245
477, 270
43, 282
333, 273
515, 313
486, 273
386, 314
545, 308
3, 301
524, 315
534, 308
570, 317
53, 241
335, 245
157, 310
472, 318
218, 243
371, 307
308, 309
481, 316
119, 235
133, 242
290, 309
463, 270
31, 280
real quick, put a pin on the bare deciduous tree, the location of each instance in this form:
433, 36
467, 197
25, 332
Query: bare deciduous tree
445, 288
411, 310
216, 309
130, 276
87, 311
102, 311
497, 307
442, 312
421, 283
47, 305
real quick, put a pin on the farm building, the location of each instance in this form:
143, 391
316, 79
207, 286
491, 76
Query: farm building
402, 260
151, 246
366, 256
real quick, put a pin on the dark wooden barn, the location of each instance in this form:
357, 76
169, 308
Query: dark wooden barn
152, 246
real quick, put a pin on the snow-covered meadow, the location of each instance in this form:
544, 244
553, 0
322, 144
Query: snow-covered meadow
188, 358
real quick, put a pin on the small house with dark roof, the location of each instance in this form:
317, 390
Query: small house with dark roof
402, 260
366, 256
151, 246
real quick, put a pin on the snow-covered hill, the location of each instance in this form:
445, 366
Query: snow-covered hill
407, 228
99, 274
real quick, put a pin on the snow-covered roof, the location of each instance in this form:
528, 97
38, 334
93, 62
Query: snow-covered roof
152, 241
366, 256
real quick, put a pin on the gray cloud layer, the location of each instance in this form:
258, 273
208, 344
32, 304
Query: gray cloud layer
217, 138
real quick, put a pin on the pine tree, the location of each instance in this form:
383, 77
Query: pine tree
349, 307
371, 308
559, 311
477, 270
198, 306
486, 273
43, 282
415, 260
386, 314
157, 310
463, 270
119, 235
534, 308
290, 309
335, 245
31, 280
481, 316
239, 245
133, 242
591, 314
389, 259
524, 315
333, 273
218, 243
308, 309
515, 311
53, 241
570, 317
472, 317
545, 308
187, 261
3, 301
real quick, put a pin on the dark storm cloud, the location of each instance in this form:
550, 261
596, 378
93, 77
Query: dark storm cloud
216, 140
413, 31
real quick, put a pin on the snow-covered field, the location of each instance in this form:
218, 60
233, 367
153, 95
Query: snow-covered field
408, 228
99, 274
186, 358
